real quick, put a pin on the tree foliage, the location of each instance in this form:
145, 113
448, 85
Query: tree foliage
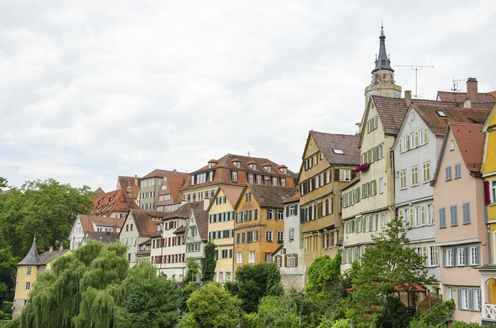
45, 208
254, 282
387, 268
94, 287
211, 306
193, 269
209, 262
324, 278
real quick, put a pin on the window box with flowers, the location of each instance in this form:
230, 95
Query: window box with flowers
362, 167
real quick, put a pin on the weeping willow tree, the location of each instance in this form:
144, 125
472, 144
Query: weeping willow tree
81, 290
94, 287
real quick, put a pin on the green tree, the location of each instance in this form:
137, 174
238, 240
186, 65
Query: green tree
8, 264
3, 183
209, 262
387, 268
152, 301
254, 282
193, 269
324, 279
212, 307
45, 208
293, 309
94, 287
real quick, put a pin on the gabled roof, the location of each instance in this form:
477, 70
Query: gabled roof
87, 222
470, 141
330, 143
391, 112
113, 201
144, 223
125, 183
183, 211
271, 196
201, 220
232, 194
437, 124
32, 257
460, 97
50, 256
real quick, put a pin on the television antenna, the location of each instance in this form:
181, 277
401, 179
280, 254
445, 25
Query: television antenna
416, 68
455, 85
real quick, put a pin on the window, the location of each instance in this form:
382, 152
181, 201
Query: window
466, 213
280, 236
448, 173
250, 178
280, 215
442, 217
234, 176
381, 185
372, 124
28, 271
403, 179
461, 256
433, 256
430, 214
228, 276
239, 257
251, 257
344, 175
269, 214
268, 235
454, 215
492, 186
415, 175
458, 170
28, 285
248, 197
449, 254
427, 171
469, 299
452, 144
291, 234
449, 293
474, 256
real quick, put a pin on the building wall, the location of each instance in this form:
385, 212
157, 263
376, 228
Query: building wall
221, 218
263, 247
456, 191
131, 238
170, 258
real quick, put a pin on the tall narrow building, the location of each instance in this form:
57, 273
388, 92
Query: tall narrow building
382, 83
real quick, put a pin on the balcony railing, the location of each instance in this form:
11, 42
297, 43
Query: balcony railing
489, 311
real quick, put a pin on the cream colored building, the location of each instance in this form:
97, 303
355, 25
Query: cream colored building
221, 230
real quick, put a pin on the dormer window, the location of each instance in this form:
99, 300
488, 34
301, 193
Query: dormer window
268, 168
338, 151
254, 166
236, 163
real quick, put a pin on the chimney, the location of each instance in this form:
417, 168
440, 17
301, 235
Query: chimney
129, 190
472, 88
135, 180
408, 97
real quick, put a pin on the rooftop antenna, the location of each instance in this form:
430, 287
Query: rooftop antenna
455, 85
416, 68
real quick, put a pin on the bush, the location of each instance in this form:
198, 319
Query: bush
7, 307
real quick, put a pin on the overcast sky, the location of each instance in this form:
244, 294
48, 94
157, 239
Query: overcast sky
91, 90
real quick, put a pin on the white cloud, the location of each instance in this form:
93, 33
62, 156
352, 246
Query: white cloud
93, 90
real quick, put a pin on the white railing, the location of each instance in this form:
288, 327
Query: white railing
489, 311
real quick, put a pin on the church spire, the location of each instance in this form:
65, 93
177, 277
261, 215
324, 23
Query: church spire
33, 257
382, 61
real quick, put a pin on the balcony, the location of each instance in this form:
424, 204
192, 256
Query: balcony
489, 312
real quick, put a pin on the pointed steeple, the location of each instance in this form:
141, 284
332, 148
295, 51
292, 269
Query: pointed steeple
382, 61
32, 258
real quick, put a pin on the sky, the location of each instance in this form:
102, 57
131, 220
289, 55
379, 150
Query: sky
91, 90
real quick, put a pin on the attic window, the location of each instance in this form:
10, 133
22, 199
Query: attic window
236, 163
338, 151
254, 166
268, 168
440, 113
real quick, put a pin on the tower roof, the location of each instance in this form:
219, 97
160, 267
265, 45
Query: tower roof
382, 61
33, 257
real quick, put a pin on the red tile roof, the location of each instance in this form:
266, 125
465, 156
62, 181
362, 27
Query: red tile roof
271, 196
328, 142
183, 211
145, 225
201, 219
124, 182
460, 97
87, 222
113, 201
470, 141
437, 124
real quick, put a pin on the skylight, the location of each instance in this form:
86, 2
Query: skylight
441, 113
338, 151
